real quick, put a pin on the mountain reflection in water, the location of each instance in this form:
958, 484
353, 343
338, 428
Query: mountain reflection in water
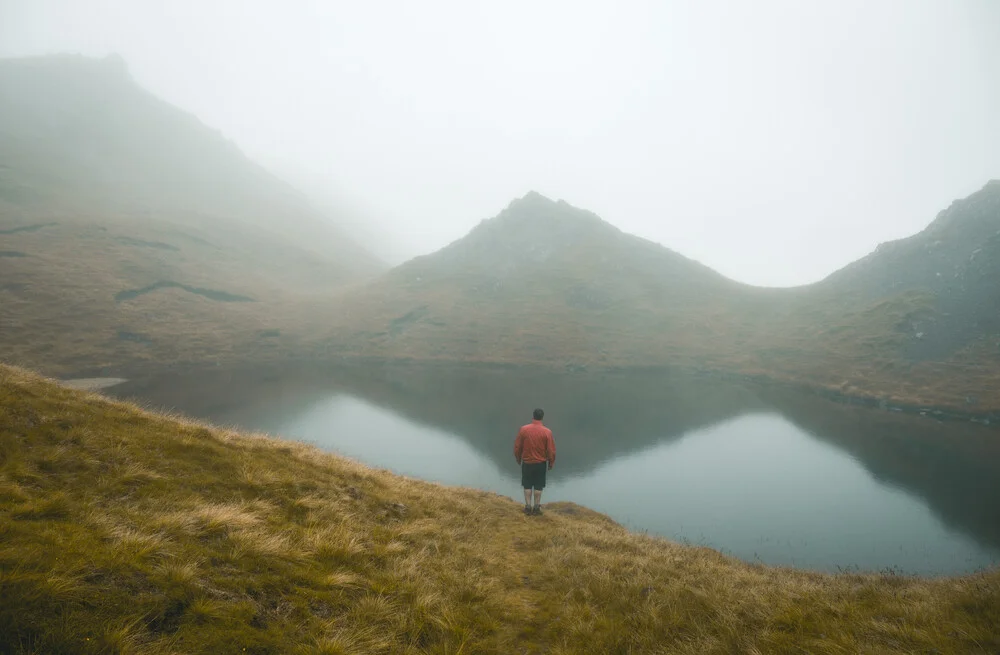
783, 477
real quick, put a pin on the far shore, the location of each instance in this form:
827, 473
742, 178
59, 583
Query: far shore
988, 414
91, 384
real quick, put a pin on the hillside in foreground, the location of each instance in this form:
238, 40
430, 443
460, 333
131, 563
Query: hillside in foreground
123, 531
915, 323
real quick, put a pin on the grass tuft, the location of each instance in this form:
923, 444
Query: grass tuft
56, 506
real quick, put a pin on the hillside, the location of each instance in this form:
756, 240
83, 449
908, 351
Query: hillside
956, 260
547, 283
79, 133
124, 531
942, 344
133, 233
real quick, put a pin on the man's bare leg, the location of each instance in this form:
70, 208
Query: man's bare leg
538, 497
527, 497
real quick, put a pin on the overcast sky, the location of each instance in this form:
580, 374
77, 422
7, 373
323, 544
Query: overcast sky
772, 140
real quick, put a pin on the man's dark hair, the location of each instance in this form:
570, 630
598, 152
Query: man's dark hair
538, 414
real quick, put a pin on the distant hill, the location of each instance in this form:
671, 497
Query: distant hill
544, 282
956, 260
79, 132
132, 232
547, 283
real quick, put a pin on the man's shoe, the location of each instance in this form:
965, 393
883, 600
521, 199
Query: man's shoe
537, 511
527, 509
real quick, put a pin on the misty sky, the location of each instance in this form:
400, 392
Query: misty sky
772, 140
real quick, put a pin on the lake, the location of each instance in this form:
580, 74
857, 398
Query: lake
777, 477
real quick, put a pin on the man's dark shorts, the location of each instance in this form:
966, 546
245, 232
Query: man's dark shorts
533, 475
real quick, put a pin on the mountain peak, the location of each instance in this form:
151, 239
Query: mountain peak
538, 208
534, 219
531, 198
538, 240
63, 67
115, 62
973, 218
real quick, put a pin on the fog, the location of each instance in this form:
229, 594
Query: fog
773, 141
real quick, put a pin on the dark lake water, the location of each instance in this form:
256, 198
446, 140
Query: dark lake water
777, 477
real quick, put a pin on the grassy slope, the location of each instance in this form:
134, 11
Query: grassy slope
127, 191
58, 307
123, 531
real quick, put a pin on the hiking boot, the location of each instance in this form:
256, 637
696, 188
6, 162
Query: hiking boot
537, 511
527, 509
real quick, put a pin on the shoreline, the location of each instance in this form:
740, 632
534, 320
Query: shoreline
91, 384
105, 377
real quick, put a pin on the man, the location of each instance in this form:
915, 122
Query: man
534, 449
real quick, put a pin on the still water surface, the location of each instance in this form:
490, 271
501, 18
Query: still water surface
778, 478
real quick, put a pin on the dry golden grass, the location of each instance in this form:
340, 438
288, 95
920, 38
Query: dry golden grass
123, 531
58, 307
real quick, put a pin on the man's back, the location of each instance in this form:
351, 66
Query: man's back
533, 448
535, 444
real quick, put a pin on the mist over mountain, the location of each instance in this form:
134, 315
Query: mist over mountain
133, 233
541, 281
546, 283
78, 133
114, 196
956, 260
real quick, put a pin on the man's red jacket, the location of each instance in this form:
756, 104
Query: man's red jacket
535, 444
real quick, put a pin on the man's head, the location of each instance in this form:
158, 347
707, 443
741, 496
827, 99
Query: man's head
538, 414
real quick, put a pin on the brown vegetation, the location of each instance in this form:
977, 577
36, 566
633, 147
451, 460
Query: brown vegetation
128, 532
90, 296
